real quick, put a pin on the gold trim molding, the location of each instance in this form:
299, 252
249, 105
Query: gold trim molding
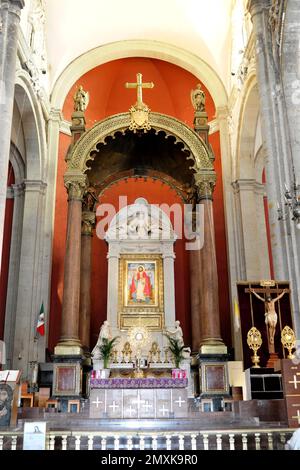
87, 144
152, 316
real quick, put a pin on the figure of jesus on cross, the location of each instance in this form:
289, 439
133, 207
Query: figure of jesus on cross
270, 312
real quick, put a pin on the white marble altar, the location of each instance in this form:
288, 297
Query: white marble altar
141, 229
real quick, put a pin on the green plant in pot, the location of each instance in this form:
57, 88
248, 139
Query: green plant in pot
176, 348
106, 348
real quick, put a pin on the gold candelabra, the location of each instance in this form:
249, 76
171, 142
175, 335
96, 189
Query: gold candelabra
254, 342
288, 340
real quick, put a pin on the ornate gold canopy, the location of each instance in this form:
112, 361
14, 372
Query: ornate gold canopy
79, 156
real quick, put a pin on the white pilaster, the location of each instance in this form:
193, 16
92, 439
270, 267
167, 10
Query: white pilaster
29, 289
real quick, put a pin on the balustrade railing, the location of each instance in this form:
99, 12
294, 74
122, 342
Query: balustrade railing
247, 439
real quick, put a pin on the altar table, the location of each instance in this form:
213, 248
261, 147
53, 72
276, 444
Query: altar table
124, 398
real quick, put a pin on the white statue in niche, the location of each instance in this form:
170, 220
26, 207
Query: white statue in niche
105, 332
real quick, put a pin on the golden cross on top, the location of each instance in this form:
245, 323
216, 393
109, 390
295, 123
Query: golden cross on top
139, 85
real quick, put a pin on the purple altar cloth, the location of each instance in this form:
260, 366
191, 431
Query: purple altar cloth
163, 382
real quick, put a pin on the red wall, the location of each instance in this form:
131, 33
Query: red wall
171, 95
9, 212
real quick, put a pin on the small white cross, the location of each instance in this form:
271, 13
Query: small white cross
131, 411
97, 402
164, 410
138, 401
295, 382
114, 406
180, 401
147, 405
297, 417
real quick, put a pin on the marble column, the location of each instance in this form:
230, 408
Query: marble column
69, 343
211, 341
9, 19
88, 222
195, 274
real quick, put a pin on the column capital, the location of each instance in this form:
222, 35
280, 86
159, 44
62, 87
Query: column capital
245, 184
18, 189
88, 223
205, 184
256, 7
222, 112
13, 6
76, 185
55, 115
35, 186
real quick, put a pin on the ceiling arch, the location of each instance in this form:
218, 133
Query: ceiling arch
198, 26
149, 49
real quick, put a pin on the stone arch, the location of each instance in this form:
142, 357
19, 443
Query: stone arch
84, 148
250, 191
247, 129
33, 127
139, 48
18, 164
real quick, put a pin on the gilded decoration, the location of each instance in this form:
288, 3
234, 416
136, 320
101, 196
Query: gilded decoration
192, 143
81, 100
141, 299
140, 111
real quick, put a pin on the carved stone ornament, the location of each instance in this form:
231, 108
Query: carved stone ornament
276, 18
37, 63
140, 221
205, 185
90, 199
88, 223
76, 186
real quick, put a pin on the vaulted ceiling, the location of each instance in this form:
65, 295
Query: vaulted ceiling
201, 27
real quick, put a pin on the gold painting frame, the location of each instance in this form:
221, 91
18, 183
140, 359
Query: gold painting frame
149, 310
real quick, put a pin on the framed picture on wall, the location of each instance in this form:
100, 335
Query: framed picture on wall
141, 284
141, 296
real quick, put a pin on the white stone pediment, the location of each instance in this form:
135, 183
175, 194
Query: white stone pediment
140, 222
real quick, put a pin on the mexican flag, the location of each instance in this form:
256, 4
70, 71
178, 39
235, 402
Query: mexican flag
40, 326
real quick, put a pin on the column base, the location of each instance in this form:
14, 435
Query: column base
68, 347
213, 346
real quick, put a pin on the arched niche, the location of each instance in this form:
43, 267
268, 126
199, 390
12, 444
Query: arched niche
141, 234
86, 147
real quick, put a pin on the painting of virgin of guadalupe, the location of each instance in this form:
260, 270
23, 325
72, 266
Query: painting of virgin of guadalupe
141, 288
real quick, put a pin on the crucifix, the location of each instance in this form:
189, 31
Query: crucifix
270, 313
139, 85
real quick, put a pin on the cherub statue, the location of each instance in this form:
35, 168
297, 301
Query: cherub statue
198, 98
81, 99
